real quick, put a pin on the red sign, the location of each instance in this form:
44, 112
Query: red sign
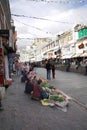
81, 46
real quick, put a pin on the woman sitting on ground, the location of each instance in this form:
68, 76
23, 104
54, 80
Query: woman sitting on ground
36, 94
29, 86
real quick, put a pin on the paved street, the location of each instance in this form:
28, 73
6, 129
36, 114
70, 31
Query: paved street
22, 113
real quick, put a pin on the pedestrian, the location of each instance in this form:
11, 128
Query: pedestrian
48, 68
35, 67
24, 76
53, 71
68, 65
17, 68
31, 68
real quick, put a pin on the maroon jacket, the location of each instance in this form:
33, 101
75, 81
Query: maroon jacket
36, 92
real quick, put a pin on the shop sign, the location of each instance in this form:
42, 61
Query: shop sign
82, 33
4, 33
81, 46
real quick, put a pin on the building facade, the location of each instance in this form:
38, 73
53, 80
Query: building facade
7, 41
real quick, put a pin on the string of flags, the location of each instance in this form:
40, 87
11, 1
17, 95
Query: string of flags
38, 18
62, 1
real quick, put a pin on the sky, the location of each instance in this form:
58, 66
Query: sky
45, 18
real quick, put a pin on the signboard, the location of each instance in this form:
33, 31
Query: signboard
82, 33
4, 33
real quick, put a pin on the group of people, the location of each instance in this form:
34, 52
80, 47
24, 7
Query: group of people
50, 67
33, 84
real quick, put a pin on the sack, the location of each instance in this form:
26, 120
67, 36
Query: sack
44, 95
2, 92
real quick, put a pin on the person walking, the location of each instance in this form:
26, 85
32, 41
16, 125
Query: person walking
53, 71
48, 68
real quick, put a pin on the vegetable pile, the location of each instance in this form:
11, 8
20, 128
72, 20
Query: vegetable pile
57, 97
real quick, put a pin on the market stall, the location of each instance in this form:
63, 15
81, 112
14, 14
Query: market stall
56, 97
48, 95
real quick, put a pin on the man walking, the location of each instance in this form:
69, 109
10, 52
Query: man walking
48, 68
53, 71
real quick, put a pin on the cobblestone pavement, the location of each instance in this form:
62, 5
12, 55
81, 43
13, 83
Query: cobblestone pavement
22, 113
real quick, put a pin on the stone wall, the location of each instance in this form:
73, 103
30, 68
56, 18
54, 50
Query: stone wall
80, 69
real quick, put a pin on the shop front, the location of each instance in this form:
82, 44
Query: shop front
4, 34
1, 67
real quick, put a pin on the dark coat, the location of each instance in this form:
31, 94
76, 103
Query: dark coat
29, 87
48, 66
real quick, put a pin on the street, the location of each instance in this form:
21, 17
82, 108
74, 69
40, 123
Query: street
23, 113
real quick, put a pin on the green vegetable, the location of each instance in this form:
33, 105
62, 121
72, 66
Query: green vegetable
44, 84
56, 98
46, 100
51, 87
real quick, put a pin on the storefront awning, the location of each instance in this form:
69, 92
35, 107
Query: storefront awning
84, 54
67, 56
76, 55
